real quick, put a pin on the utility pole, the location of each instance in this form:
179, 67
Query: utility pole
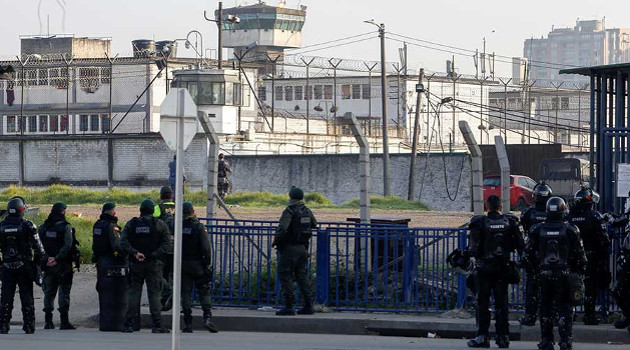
386, 183
416, 131
220, 38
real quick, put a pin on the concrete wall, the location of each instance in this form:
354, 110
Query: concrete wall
142, 161
337, 177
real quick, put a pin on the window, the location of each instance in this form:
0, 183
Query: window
523, 182
238, 90
564, 103
328, 92
192, 90
211, 93
43, 123
12, 123
83, 122
299, 92
492, 181
366, 93
309, 93
345, 92
318, 92
105, 122
63, 123
356, 92
89, 77
229, 94
94, 122
279, 90
554, 103
54, 123
288, 93
32, 123
262, 93
43, 77
105, 75
31, 77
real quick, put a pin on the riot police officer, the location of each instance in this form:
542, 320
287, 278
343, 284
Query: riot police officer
596, 242
556, 246
165, 211
621, 289
111, 261
531, 216
146, 240
196, 268
18, 241
56, 235
292, 239
492, 238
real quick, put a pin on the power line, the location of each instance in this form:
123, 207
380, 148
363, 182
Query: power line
330, 42
334, 46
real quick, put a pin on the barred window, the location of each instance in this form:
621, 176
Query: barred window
262, 93
299, 92
318, 92
12, 124
83, 122
345, 92
43, 123
328, 92
288, 93
356, 92
366, 93
279, 91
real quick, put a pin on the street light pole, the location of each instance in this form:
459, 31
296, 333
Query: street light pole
386, 182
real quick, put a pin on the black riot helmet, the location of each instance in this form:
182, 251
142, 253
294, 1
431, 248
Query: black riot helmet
460, 261
556, 209
584, 199
16, 206
542, 193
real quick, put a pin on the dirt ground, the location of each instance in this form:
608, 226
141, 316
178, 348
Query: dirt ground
418, 218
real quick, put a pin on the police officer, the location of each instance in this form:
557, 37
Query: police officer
165, 211
557, 247
531, 216
596, 242
224, 172
492, 238
57, 238
146, 240
18, 241
106, 238
196, 267
621, 290
292, 240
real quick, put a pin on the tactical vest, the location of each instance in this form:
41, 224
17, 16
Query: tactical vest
101, 245
553, 247
586, 222
221, 169
497, 241
143, 235
167, 214
53, 238
15, 247
191, 248
301, 226
537, 217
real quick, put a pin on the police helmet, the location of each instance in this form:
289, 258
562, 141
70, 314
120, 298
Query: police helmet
585, 198
16, 206
542, 193
556, 208
460, 261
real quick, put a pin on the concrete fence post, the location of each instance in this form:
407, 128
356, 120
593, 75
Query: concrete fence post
477, 167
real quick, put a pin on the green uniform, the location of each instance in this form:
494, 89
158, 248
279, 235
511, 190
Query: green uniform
56, 237
150, 237
196, 264
165, 211
292, 242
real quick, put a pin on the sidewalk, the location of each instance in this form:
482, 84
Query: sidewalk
356, 323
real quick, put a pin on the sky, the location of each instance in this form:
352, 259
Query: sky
458, 23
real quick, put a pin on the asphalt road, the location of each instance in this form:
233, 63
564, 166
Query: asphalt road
92, 339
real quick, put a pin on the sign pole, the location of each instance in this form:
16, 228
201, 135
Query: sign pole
179, 193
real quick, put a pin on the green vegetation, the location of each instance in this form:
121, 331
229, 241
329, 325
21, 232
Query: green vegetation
83, 229
79, 196
391, 203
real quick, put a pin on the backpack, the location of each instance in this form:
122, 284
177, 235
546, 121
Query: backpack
301, 225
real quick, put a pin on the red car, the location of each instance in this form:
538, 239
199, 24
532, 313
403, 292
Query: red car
521, 190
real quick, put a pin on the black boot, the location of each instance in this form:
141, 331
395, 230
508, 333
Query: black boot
622, 323
5, 320
128, 327
545, 344
503, 341
590, 320
158, 328
566, 345
528, 320
207, 322
187, 323
65, 322
481, 341
48, 321
307, 309
286, 311
28, 314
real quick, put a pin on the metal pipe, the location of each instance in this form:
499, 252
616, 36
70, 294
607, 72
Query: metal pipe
414, 141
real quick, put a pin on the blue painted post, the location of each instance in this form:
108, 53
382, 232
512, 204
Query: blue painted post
592, 132
408, 262
462, 291
322, 273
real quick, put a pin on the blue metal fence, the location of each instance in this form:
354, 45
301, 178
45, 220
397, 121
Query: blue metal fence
353, 267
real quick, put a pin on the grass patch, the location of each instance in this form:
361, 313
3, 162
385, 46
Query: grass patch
390, 202
75, 196
267, 199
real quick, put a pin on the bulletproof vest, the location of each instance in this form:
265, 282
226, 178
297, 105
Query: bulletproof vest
100, 240
222, 172
167, 214
301, 227
191, 248
143, 235
585, 221
553, 246
14, 241
496, 242
537, 217
53, 237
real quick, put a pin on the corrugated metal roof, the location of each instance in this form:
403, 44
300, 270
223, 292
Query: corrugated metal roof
597, 70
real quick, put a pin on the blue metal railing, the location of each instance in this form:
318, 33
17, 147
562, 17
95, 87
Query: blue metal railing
354, 267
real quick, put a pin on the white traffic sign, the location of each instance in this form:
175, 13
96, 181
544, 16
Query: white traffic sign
178, 104
623, 180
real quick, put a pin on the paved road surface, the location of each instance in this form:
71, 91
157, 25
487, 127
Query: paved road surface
84, 339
